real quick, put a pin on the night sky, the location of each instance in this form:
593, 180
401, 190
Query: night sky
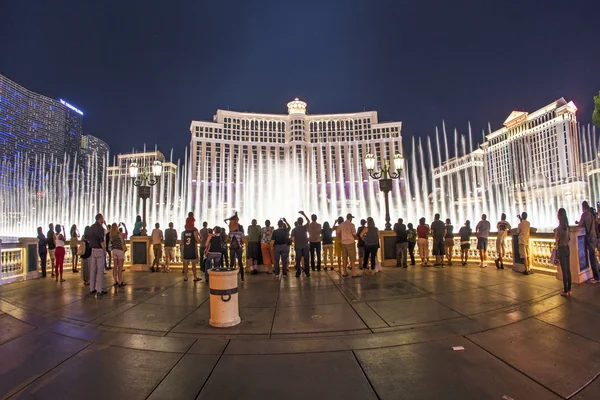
142, 70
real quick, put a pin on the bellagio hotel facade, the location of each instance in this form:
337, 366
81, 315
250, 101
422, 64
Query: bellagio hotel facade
274, 165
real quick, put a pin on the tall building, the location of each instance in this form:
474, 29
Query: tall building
535, 150
33, 125
94, 157
258, 164
458, 185
120, 182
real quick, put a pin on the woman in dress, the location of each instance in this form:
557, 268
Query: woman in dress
73, 245
60, 252
370, 235
337, 243
564, 254
118, 254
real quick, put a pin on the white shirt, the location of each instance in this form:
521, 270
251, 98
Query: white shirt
523, 231
157, 236
348, 231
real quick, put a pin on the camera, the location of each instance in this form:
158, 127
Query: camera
519, 216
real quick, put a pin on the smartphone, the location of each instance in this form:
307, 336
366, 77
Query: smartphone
281, 219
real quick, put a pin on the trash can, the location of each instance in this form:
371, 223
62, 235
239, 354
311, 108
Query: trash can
224, 306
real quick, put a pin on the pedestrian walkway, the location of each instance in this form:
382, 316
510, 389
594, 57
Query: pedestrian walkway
388, 336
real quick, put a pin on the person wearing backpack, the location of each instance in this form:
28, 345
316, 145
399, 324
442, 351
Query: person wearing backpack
588, 221
85, 251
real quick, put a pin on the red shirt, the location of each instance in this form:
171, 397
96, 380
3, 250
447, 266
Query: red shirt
422, 231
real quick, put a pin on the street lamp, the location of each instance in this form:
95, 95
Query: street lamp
144, 178
385, 177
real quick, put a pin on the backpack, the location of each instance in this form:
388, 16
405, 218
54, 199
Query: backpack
85, 250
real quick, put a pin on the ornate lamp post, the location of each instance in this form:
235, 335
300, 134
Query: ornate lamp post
385, 177
144, 178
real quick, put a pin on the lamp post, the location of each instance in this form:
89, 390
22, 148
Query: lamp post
385, 177
144, 178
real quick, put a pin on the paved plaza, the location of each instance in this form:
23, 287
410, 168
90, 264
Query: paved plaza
388, 336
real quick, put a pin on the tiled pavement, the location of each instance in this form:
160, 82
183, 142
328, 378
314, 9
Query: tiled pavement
388, 336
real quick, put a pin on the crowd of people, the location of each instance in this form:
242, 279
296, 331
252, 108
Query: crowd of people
315, 245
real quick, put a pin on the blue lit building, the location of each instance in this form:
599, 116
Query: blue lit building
36, 126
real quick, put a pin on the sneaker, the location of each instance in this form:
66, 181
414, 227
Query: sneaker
254, 272
277, 276
593, 281
526, 272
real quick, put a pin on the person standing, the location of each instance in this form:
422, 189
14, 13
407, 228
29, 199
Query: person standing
411, 236
401, 244
588, 221
360, 245
465, 242
50, 238
483, 233
449, 241
157, 239
170, 244
266, 247
189, 241
523, 230
98, 258
42, 250
503, 227
236, 242
370, 236
85, 260
337, 242
60, 252
300, 240
438, 233
253, 249
562, 237
118, 253
281, 246
423, 242
73, 244
314, 238
348, 243
203, 234
327, 235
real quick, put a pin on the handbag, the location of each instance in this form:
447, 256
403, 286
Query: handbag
81, 248
554, 256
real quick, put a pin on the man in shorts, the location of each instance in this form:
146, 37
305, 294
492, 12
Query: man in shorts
190, 241
503, 227
348, 244
523, 231
170, 243
483, 233
157, 238
465, 242
438, 232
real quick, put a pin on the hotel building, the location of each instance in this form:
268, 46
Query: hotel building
273, 165
33, 125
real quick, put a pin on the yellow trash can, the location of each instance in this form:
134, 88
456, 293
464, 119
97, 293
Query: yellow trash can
224, 306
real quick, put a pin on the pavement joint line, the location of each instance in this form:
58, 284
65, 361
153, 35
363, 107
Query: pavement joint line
510, 366
353, 309
583, 387
376, 313
276, 302
365, 375
212, 370
564, 329
14, 394
167, 374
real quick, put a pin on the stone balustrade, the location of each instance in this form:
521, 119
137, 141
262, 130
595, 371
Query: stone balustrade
20, 260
